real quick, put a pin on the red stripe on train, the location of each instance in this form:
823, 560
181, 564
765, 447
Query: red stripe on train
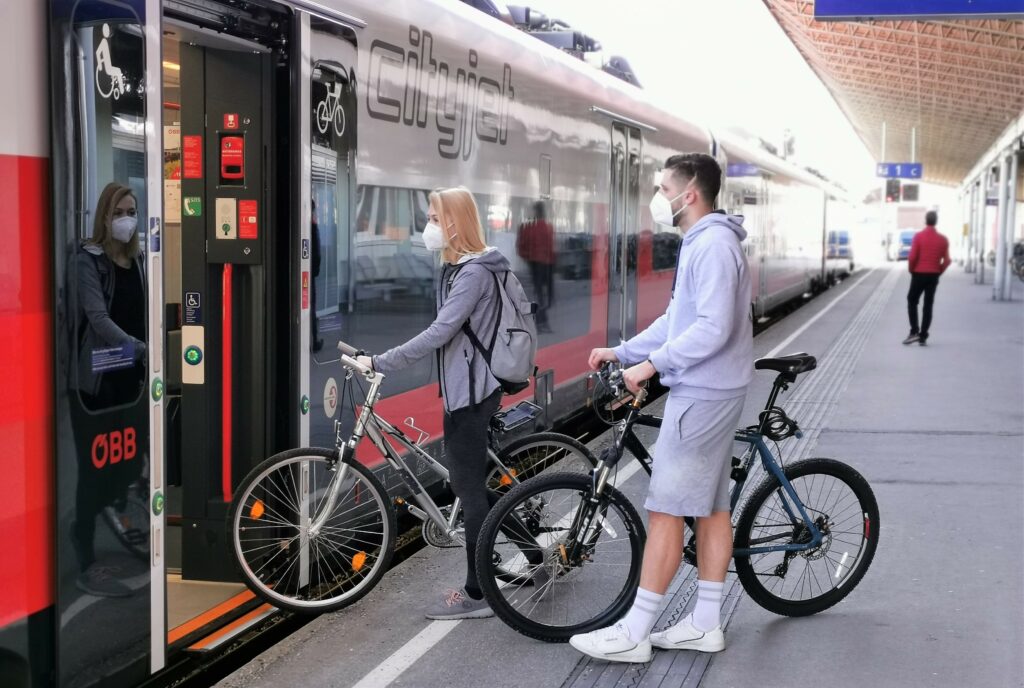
26, 404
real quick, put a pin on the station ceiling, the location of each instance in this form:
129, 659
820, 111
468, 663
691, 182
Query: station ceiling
961, 83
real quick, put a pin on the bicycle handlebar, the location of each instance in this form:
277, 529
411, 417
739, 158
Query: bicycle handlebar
348, 349
348, 359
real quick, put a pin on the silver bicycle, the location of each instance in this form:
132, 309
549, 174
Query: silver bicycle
313, 529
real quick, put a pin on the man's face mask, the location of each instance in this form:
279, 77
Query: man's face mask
661, 208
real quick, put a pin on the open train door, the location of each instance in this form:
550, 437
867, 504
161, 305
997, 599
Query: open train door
107, 210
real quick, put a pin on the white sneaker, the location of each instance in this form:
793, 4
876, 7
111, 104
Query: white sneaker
612, 644
683, 636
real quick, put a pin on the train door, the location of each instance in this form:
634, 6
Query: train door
108, 267
623, 232
328, 251
226, 116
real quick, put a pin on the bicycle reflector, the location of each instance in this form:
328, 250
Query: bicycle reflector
257, 509
358, 561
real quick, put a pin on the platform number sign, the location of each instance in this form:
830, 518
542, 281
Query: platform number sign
899, 170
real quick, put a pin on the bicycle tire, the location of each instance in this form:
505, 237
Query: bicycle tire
819, 583
528, 457
552, 610
345, 560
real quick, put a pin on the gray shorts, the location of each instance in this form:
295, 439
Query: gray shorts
692, 458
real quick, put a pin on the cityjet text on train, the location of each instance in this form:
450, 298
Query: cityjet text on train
410, 86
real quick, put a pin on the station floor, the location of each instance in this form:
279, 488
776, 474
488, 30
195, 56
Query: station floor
938, 431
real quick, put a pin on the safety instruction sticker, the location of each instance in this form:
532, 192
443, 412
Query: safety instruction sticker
247, 219
192, 154
113, 357
226, 218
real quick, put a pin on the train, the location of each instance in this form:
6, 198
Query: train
277, 156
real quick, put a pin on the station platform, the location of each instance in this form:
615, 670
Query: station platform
938, 431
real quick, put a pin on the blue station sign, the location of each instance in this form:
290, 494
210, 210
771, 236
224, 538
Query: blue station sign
845, 10
899, 170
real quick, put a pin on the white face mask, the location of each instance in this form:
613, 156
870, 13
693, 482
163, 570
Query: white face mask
123, 228
433, 237
661, 209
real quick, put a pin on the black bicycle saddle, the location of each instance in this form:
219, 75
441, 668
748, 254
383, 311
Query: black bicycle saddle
792, 364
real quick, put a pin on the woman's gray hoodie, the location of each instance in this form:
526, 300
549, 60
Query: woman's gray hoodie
465, 377
703, 345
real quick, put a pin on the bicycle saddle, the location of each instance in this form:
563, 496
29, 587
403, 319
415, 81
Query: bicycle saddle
793, 364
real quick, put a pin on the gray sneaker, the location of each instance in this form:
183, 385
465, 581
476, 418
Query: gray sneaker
99, 580
456, 604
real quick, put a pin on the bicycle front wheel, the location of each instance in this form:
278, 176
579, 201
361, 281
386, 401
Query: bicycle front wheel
552, 563
543, 451
281, 554
843, 507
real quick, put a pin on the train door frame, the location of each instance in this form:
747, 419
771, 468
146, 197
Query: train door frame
623, 230
318, 34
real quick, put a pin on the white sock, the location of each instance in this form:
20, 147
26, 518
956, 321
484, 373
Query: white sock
707, 615
640, 618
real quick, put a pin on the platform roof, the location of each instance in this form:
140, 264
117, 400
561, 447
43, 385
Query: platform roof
960, 83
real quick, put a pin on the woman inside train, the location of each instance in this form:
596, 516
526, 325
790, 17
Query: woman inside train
471, 394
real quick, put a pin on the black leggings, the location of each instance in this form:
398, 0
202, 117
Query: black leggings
465, 438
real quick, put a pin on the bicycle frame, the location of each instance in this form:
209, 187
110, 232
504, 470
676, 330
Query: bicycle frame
371, 425
792, 505
756, 441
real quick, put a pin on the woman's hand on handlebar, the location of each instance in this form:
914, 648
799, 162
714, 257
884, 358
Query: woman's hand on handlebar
599, 356
365, 360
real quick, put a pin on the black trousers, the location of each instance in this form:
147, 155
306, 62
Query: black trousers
543, 277
465, 439
921, 283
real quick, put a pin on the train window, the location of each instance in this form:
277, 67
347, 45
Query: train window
665, 250
106, 277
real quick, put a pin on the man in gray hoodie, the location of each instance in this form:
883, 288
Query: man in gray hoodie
702, 347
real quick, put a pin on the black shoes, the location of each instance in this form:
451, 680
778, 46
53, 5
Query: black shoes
912, 337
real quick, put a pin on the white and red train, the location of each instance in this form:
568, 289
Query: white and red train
280, 154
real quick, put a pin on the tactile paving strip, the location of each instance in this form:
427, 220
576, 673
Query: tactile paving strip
811, 404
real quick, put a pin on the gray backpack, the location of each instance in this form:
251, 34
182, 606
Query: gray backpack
511, 349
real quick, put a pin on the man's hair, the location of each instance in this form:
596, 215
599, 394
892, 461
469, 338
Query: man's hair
931, 218
702, 169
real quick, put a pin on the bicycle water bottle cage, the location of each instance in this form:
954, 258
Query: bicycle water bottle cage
423, 434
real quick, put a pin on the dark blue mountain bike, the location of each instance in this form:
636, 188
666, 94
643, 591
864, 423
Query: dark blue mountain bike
803, 537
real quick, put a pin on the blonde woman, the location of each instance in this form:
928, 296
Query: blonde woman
466, 293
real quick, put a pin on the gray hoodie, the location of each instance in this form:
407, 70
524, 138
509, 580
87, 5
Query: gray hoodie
703, 345
465, 378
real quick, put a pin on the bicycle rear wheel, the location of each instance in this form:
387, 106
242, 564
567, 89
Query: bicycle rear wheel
843, 507
526, 569
269, 528
543, 451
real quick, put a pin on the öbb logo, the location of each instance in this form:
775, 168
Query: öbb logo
113, 447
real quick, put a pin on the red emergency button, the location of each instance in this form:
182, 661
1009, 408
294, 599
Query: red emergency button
232, 157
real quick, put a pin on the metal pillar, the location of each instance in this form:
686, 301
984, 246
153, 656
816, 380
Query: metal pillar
972, 234
998, 286
979, 234
1011, 221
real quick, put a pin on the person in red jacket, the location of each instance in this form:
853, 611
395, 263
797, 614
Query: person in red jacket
929, 258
